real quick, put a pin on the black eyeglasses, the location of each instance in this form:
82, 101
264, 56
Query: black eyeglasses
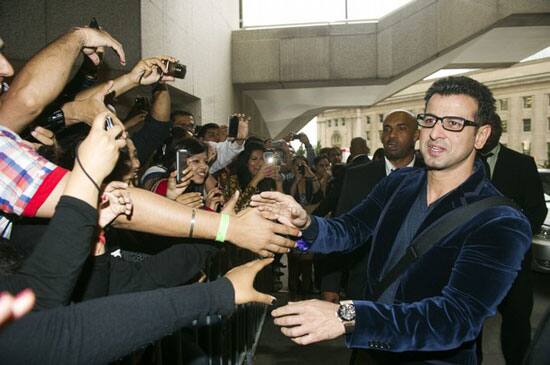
453, 124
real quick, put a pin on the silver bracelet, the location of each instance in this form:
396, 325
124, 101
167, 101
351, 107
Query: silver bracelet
193, 214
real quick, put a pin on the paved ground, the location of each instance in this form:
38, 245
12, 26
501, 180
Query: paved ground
274, 348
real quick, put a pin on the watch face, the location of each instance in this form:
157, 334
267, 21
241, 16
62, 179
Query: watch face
346, 312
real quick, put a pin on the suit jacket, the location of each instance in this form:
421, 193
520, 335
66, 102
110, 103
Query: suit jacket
515, 175
444, 297
358, 183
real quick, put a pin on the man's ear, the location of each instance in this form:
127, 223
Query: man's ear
482, 135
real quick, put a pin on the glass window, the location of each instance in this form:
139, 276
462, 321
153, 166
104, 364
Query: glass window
329, 123
527, 125
527, 102
368, 136
343, 122
548, 123
548, 151
274, 12
368, 119
381, 118
526, 147
504, 126
336, 123
502, 104
336, 139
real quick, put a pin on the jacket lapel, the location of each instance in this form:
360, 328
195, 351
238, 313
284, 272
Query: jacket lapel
390, 221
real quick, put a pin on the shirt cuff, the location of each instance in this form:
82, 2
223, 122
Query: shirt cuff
310, 233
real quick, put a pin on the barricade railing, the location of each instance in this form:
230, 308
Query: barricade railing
219, 340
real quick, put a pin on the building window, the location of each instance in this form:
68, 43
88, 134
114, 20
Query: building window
381, 118
502, 104
548, 151
548, 123
526, 147
329, 123
527, 125
336, 139
336, 123
368, 136
343, 122
527, 102
368, 119
504, 126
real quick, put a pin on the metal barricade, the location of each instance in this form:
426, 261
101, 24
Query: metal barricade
223, 341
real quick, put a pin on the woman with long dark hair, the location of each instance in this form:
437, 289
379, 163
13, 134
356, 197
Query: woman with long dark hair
251, 174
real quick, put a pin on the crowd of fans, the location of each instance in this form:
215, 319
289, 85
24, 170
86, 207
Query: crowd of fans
107, 219
110, 216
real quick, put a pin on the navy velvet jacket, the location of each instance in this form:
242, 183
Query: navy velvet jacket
443, 298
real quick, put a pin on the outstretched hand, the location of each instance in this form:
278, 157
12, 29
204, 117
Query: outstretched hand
282, 208
242, 279
309, 321
92, 39
115, 201
250, 230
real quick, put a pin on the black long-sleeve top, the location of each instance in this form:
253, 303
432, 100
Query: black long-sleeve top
55, 264
174, 266
102, 330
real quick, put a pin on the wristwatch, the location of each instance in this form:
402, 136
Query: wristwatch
346, 313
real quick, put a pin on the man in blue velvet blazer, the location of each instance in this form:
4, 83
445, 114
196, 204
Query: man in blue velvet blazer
434, 311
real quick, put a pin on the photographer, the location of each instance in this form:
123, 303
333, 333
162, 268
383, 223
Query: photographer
227, 150
251, 174
306, 188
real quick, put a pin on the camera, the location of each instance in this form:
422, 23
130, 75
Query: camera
269, 157
175, 69
295, 136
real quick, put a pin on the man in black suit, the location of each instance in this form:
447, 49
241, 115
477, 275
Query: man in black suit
359, 151
515, 175
399, 136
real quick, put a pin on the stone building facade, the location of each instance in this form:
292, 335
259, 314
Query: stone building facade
522, 93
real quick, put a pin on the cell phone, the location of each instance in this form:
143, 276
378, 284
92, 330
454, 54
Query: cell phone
181, 163
93, 23
108, 123
269, 157
175, 69
233, 129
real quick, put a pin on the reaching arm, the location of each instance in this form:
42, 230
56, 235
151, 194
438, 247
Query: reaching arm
46, 73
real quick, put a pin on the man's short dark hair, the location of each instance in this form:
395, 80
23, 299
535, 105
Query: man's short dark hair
182, 113
204, 128
462, 85
496, 132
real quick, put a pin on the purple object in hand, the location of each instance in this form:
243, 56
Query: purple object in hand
302, 245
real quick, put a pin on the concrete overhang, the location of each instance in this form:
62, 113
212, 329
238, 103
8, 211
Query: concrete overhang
292, 74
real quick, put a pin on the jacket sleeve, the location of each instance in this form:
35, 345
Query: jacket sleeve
481, 275
352, 229
172, 267
102, 330
56, 262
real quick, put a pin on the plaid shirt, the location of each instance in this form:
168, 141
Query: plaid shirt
26, 178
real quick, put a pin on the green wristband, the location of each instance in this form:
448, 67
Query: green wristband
222, 228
